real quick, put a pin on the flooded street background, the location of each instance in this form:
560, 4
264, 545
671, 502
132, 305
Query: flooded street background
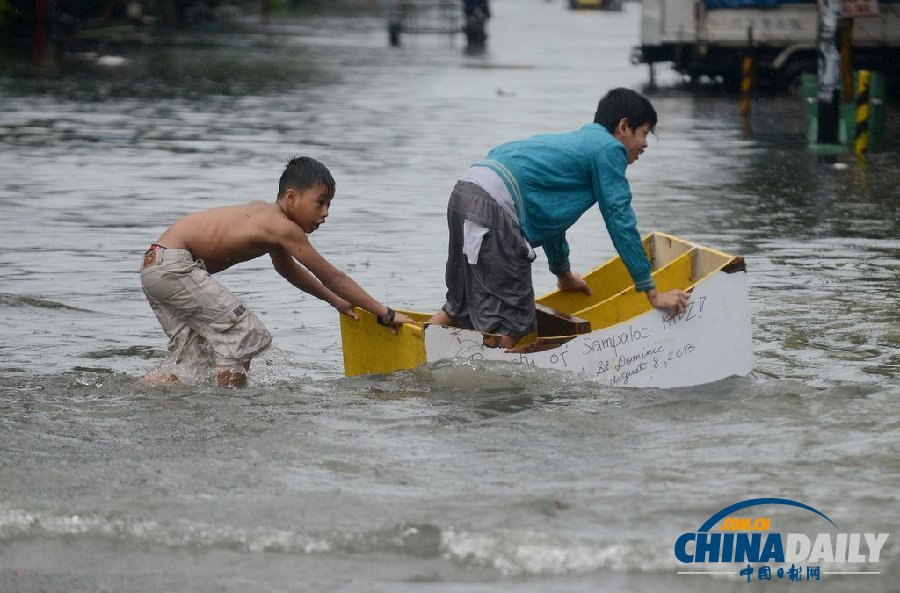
452, 477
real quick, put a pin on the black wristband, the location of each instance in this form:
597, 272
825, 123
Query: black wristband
388, 319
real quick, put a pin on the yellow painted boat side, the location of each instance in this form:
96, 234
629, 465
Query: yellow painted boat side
612, 277
606, 280
371, 348
709, 261
629, 303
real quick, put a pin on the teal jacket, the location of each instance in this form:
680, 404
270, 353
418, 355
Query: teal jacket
555, 178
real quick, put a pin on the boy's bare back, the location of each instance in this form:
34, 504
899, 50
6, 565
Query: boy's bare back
223, 237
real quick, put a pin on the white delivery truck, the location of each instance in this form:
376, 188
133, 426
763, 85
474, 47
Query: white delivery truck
710, 37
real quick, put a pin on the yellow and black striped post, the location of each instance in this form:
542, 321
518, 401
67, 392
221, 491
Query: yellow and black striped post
861, 142
747, 76
746, 83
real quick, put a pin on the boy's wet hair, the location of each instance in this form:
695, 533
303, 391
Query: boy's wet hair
303, 172
621, 102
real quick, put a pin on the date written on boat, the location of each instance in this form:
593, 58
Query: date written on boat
627, 367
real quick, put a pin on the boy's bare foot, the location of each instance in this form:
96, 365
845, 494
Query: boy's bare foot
440, 318
158, 377
499, 341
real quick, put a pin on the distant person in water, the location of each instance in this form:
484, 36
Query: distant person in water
203, 319
471, 8
475, 16
526, 194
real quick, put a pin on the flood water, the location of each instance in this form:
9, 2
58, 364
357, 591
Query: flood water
453, 477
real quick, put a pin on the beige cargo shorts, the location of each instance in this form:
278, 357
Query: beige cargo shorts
205, 322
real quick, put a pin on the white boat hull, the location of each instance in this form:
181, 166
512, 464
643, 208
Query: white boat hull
710, 341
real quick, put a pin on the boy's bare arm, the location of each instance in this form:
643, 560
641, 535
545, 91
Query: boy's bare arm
338, 281
295, 242
300, 277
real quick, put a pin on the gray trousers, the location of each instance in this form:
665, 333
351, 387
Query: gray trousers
493, 294
205, 322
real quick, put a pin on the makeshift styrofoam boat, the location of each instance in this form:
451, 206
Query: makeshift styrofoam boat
613, 336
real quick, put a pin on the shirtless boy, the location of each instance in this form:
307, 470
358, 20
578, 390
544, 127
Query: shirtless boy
203, 318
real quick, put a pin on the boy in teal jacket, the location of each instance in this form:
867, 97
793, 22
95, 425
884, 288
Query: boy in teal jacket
526, 194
